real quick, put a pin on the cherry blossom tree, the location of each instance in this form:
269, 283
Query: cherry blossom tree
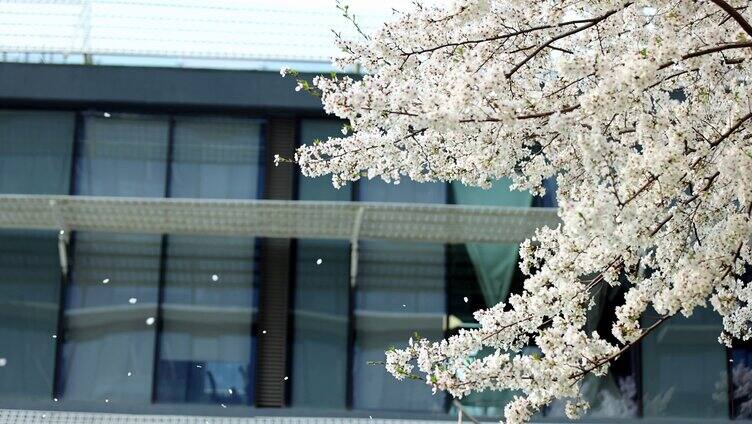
642, 112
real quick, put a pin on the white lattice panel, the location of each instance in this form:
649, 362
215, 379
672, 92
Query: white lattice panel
269, 218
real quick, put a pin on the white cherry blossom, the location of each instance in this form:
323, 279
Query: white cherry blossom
642, 112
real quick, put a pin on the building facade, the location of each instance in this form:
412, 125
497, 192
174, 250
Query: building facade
235, 325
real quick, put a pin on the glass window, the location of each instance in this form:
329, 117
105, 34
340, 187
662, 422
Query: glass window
216, 158
122, 155
400, 289
111, 299
110, 308
35, 158
319, 351
206, 344
35, 152
684, 368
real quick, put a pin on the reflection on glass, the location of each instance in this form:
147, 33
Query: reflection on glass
206, 344
109, 342
35, 158
111, 299
684, 368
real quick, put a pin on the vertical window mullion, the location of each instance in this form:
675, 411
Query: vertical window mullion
354, 197
162, 264
447, 276
78, 128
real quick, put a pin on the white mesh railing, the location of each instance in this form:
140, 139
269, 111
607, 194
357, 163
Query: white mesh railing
277, 30
63, 417
270, 218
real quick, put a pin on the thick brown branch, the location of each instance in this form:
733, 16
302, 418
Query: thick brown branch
590, 23
731, 10
608, 359
716, 49
733, 129
500, 36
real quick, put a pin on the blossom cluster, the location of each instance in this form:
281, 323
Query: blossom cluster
642, 112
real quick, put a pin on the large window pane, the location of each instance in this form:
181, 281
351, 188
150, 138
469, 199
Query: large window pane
321, 297
320, 331
400, 289
35, 158
111, 298
109, 316
206, 345
35, 152
122, 155
684, 368
29, 282
215, 158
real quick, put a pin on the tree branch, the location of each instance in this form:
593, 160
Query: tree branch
731, 10
591, 22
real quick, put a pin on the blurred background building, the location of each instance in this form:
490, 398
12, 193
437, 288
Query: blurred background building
155, 265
